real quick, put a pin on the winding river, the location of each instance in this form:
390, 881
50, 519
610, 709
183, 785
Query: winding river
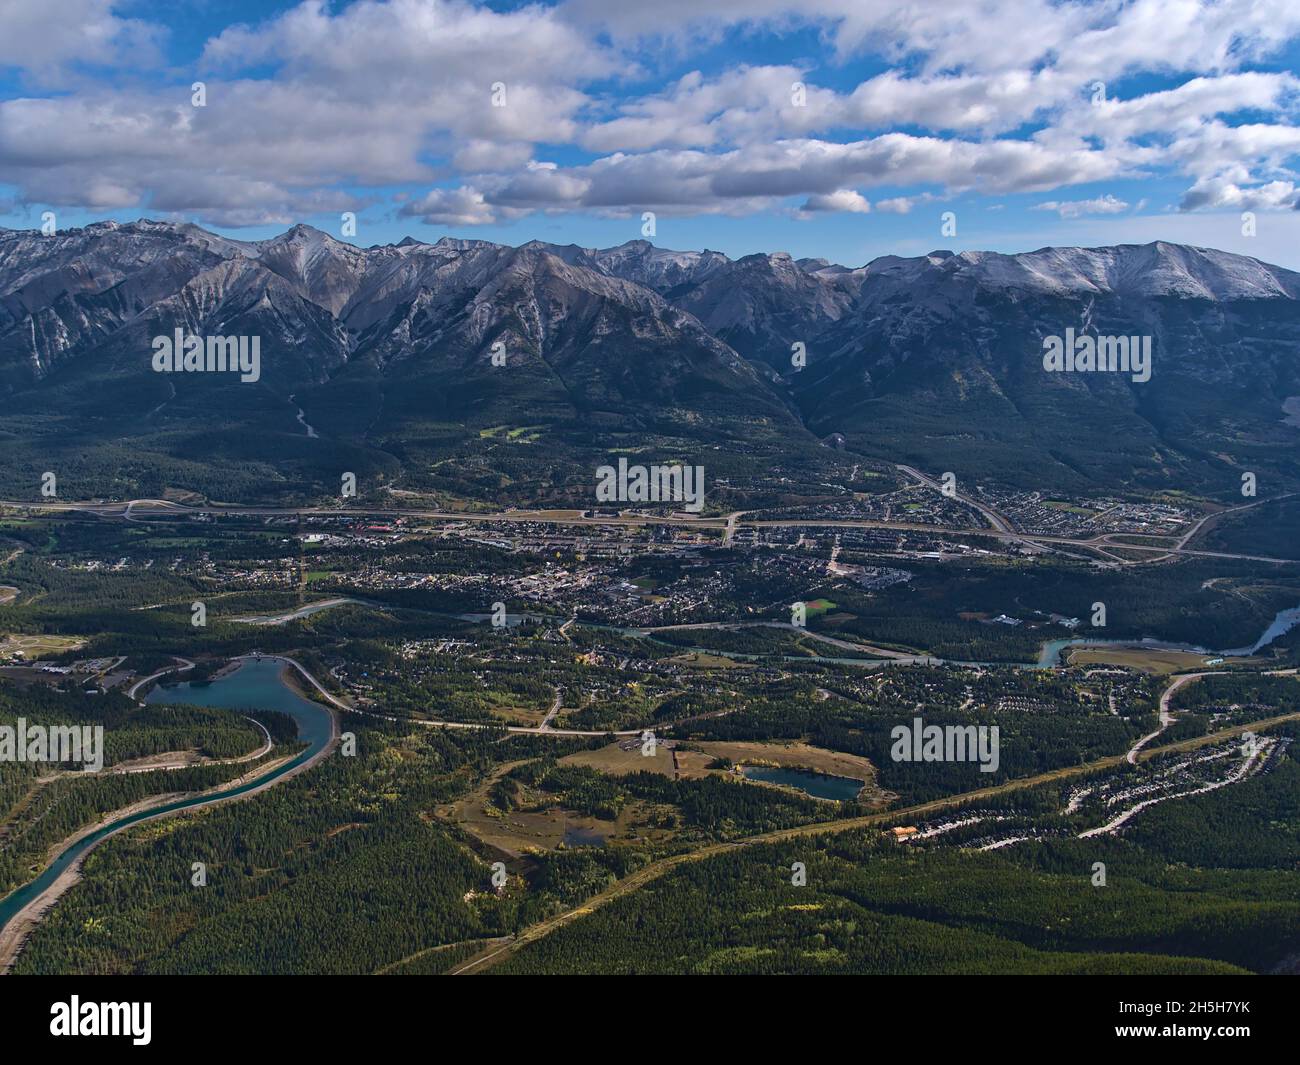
259, 683
256, 684
1051, 653
1283, 622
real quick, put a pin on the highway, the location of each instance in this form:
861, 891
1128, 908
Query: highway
160, 511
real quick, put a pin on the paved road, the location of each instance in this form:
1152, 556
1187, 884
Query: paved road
990, 515
844, 645
529, 730
1000, 527
1166, 715
550, 714
1205, 519
130, 694
295, 615
730, 531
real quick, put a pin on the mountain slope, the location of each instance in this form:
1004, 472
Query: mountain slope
387, 352
386, 355
940, 361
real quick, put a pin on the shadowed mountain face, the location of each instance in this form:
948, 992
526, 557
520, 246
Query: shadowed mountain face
946, 355
938, 360
484, 370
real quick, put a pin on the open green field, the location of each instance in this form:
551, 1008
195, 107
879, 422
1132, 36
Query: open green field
36, 647
1148, 661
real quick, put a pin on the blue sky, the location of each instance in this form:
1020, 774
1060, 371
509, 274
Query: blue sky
844, 129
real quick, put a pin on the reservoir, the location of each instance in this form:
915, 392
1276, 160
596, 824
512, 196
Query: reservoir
257, 684
254, 685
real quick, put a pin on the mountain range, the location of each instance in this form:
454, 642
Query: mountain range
475, 369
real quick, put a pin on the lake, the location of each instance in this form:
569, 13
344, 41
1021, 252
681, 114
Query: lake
577, 836
255, 685
818, 785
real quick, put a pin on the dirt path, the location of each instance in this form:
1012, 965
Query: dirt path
189, 759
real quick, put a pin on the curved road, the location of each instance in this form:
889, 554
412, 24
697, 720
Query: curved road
1166, 715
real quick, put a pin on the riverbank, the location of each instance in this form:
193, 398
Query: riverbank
13, 934
1055, 653
15, 930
